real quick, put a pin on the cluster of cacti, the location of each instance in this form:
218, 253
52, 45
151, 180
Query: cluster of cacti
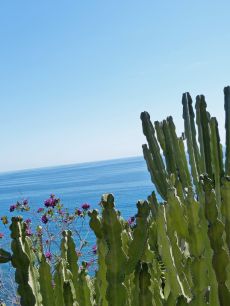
177, 250
121, 277
190, 233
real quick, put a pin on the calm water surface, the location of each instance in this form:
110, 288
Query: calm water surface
128, 179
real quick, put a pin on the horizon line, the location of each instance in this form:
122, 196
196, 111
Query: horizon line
68, 164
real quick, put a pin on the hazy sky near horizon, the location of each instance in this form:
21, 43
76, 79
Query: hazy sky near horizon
75, 75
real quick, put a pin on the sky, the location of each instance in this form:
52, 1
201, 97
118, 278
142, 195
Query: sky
75, 75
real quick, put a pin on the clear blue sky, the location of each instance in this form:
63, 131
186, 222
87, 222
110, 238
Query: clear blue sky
75, 75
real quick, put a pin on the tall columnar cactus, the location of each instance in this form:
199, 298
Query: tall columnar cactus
121, 255
26, 275
196, 202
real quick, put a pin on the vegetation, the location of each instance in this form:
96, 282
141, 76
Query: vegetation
175, 251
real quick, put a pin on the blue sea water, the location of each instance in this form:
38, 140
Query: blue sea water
128, 179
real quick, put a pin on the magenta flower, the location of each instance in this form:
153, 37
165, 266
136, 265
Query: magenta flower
79, 212
25, 202
48, 202
44, 219
12, 208
51, 202
85, 206
40, 209
48, 255
131, 220
28, 221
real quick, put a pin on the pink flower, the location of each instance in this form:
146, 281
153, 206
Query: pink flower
85, 206
48, 255
79, 212
12, 208
25, 202
1, 235
131, 220
44, 219
40, 209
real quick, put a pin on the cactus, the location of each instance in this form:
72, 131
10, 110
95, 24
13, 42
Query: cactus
176, 253
196, 203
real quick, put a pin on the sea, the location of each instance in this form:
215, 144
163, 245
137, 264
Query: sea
127, 179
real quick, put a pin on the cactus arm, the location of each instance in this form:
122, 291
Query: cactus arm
45, 281
158, 270
140, 236
221, 259
115, 258
164, 248
170, 158
21, 262
95, 223
145, 294
179, 153
160, 134
177, 231
59, 284
33, 272
153, 156
149, 132
217, 159
69, 254
160, 184
4, 256
100, 276
190, 134
136, 287
204, 134
68, 290
157, 274
86, 288
227, 128
200, 265
225, 208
